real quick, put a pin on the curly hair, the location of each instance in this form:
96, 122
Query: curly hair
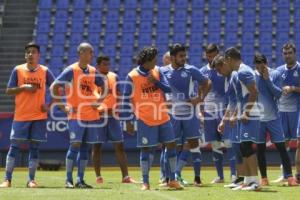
147, 54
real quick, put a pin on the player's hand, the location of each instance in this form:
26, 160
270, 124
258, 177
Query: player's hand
95, 105
151, 79
44, 108
221, 127
201, 116
265, 74
68, 109
130, 128
287, 89
244, 118
29, 88
232, 121
195, 101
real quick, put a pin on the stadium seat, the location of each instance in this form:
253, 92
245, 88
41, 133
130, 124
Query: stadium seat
130, 4
60, 27
266, 14
162, 38
283, 14
42, 39
248, 25
198, 4
146, 26
57, 50
180, 15
96, 4
266, 49
215, 3
75, 38
129, 15
248, 38
180, 26
43, 27
283, 4
214, 37
196, 38
249, 3
146, 4
163, 15
214, 15
109, 50
197, 26
230, 38
126, 62
282, 25
44, 15
78, 15
247, 49
265, 37
232, 3
163, 26
249, 14
265, 25
127, 39
112, 15
145, 38
110, 39
129, 27
61, 15
282, 37
297, 3
58, 38
113, 4
266, 4
95, 27
164, 3
112, 27
297, 14
179, 38
126, 51
181, 4
195, 60
43, 50
232, 14
94, 38
95, 15
72, 52
77, 27
214, 26
231, 25
45, 4
62, 4
79, 5
146, 15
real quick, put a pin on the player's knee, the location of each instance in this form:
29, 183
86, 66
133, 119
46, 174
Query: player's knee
227, 144
193, 143
119, 147
246, 149
76, 145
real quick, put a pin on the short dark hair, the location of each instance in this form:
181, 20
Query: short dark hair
32, 44
218, 59
101, 58
233, 52
260, 59
175, 48
289, 45
146, 54
211, 48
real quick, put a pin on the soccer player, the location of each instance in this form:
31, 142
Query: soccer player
289, 100
214, 106
268, 83
166, 58
80, 81
112, 130
247, 112
144, 94
181, 78
28, 83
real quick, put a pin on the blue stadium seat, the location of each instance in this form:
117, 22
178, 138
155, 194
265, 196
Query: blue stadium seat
127, 39
181, 4
95, 15
249, 14
113, 4
95, 27
248, 59
266, 4
266, 49
44, 15
72, 52
249, 3
42, 39
196, 38
162, 38
214, 15
58, 38
126, 62
232, 3
43, 27
96, 4
297, 3
266, 14
230, 38
179, 38
198, 4
130, 4
79, 4
197, 14
265, 37
231, 25
109, 50
60, 27
57, 50
214, 37
110, 39
43, 50
214, 26
215, 3
146, 4
180, 26
112, 27
296, 28
146, 15
112, 15
162, 48
77, 27
129, 15
126, 51
195, 60
283, 25
163, 26
45, 4
283, 14
248, 38
78, 15
145, 38
297, 14
265, 25
163, 15
197, 26
76, 38
180, 15
232, 14
247, 49
61, 15
283, 4
164, 3
282, 37
248, 25
94, 38
146, 26
129, 27
62, 4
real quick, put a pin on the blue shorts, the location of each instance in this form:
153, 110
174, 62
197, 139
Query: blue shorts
211, 128
289, 122
249, 130
186, 129
85, 131
111, 131
275, 130
149, 136
29, 130
234, 133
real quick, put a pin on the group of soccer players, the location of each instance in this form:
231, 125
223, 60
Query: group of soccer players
172, 106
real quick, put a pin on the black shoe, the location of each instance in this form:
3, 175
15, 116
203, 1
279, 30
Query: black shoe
82, 185
239, 180
197, 181
69, 184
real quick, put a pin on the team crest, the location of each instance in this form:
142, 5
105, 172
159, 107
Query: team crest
72, 135
246, 135
295, 74
183, 74
144, 140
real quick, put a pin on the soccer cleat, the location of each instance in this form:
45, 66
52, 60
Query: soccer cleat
128, 179
145, 186
175, 185
99, 180
251, 187
69, 185
264, 182
239, 187
197, 181
181, 180
281, 179
238, 181
5, 184
82, 185
32, 184
217, 180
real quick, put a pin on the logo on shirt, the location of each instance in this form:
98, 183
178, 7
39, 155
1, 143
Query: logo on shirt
37, 82
183, 74
144, 140
86, 87
72, 135
295, 74
246, 135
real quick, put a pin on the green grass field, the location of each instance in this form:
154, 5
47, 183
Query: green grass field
52, 187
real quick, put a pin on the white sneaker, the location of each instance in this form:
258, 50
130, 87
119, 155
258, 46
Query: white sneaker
280, 179
252, 187
239, 187
231, 185
233, 178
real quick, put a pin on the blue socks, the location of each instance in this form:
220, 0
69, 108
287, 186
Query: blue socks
82, 161
231, 158
70, 159
145, 165
162, 164
33, 160
182, 160
10, 160
196, 157
218, 159
171, 155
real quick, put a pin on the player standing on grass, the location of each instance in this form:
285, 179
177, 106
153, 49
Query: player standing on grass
112, 129
144, 94
269, 84
80, 81
181, 78
289, 101
28, 82
214, 106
